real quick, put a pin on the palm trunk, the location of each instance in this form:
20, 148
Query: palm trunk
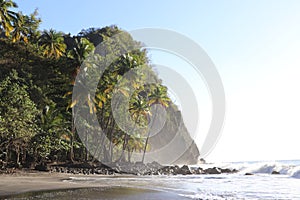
145, 148
148, 135
86, 152
18, 155
71, 153
6, 155
122, 157
111, 139
126, 141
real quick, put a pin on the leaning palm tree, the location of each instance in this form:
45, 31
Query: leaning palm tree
139, 110
52, 43
135, 144
159, 96
6, 15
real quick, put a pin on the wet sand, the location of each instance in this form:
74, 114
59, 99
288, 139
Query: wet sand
27, 182
52, 186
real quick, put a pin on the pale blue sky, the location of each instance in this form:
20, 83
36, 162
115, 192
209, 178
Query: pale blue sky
255, 45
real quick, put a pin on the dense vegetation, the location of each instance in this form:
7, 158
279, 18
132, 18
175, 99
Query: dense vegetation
37, 74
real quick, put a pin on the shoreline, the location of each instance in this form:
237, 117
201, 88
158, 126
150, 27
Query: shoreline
33, 184
22, 182
19, 182
29, 184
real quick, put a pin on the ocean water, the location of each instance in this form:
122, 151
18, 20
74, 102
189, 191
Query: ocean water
261, 185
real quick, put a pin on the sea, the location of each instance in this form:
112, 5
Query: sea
261, 185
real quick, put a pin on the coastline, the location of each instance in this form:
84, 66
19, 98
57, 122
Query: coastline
30, 184
25, 180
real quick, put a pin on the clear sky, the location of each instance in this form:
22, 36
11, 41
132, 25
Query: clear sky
255, 45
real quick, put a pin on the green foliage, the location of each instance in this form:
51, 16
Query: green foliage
98, 35
35, 115
18, 113
53, 135
82, 49
7, 16
52, 44
25, 28
46, 82
139, 103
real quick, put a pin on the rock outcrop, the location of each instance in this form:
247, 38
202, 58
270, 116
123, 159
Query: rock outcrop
138, 168
174, 141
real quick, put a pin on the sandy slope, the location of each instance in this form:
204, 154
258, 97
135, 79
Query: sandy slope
25, 182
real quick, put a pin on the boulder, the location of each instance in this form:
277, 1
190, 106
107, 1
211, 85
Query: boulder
214, 170
226, 170
184, 170
165, 170
154, 165
201, 161
275, 172
199, 171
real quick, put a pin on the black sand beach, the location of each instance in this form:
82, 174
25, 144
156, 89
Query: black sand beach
53, 186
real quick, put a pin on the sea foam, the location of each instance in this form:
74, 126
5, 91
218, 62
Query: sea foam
288, 168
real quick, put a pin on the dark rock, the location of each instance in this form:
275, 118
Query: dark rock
154, 166
137, 168
165, 170
226, 170
275, 172
42, 167
214, 170
140, 167
248, 174
8, 171
199, 171
184, 170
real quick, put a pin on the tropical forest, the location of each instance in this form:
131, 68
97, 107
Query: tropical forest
39, 70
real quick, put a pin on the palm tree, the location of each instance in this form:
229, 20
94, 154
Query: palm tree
53, 134
139, 110
26, 28
6, 15
158, 96
52, 43
84, 97
20, 31
81, 50
135, 143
